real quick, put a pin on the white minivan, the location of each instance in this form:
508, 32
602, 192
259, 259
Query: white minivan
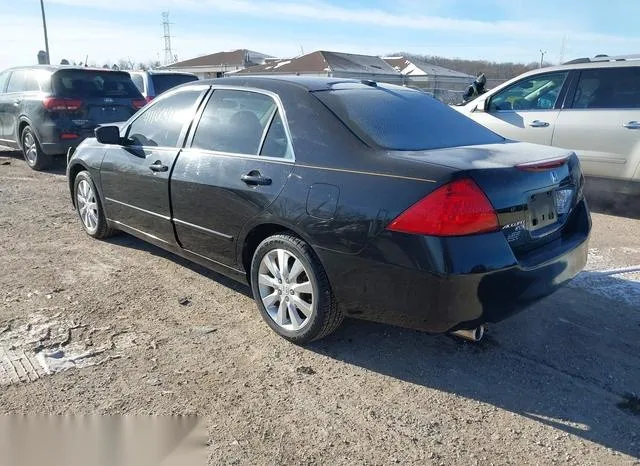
590, 106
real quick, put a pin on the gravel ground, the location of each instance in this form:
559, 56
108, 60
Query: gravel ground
145, 332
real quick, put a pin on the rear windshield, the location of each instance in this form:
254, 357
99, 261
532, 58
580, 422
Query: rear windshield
89, 83
395, 118
164, 82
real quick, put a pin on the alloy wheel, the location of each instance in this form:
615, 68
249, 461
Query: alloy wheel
87, 206
30, 148
286, 289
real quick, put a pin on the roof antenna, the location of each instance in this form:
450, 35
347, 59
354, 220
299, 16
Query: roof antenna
301, 50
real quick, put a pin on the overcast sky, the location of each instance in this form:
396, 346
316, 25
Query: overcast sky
502, 30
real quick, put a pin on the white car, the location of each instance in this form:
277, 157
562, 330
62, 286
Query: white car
590, 106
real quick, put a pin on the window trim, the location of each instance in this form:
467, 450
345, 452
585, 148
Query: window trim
557, 105
180, 143
574, 90
279, 107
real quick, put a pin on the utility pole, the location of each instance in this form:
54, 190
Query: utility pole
168, 54
46, 39
542, 54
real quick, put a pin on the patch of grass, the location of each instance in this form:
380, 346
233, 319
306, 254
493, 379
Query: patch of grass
630, 403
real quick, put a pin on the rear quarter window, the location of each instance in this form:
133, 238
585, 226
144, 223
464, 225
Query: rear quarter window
81, 83
164, 82
396, 118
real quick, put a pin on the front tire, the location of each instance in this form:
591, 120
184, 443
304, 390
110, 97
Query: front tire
292, 290
32, 152
89, 207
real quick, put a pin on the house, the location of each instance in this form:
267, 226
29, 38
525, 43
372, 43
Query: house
443, 83
217, 64
330, 64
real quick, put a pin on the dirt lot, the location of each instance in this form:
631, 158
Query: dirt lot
145, 332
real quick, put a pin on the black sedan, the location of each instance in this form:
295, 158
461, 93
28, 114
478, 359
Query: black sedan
336, 197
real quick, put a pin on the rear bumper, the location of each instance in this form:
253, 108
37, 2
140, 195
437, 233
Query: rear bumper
441, 284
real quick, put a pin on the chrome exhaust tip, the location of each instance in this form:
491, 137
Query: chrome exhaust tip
474, 334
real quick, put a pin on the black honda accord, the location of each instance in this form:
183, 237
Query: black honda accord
336, 197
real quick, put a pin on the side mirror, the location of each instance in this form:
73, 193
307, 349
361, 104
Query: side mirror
482, 106
108, 134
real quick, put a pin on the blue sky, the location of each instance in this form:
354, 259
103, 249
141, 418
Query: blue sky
513, 30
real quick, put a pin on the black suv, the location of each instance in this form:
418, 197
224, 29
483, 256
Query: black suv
45, 110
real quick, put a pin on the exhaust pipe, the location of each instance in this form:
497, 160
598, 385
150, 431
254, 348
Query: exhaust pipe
474, 335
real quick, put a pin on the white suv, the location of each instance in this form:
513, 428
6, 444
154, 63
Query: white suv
590, 106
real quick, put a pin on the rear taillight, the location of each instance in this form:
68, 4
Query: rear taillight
543, 165
138, 103
55, 104
455, 209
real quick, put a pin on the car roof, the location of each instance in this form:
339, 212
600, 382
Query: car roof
160, 72
310, 83
585, 66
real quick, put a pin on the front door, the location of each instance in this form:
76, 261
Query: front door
238, 162
527, 110
135, 175
601, 122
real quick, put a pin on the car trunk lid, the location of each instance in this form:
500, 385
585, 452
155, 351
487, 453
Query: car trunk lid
533, 189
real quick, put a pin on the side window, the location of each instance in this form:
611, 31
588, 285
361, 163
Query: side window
615, 88
160, 125
234, 121
535, 93
4, 78
276, 143
17, 81
138, 81
31, 82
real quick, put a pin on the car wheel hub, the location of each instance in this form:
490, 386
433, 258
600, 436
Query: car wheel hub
30, 148
285, 289
87, 206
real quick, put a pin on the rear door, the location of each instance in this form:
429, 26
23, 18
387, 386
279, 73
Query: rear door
5, 103
238, 162
527, 110
12, 100
135, 176
102, 96
601, 121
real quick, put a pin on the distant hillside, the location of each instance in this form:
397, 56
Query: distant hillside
495, 72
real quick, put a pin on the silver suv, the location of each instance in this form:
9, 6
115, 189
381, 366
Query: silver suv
591, 106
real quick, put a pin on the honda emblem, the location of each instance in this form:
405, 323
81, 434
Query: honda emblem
554, 177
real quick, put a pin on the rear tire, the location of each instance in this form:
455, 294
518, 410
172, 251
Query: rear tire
32, 152
89, 207
292, 290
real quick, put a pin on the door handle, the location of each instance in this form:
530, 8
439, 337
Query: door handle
632, 125
158, 166
254, 178
538, 124
17, 102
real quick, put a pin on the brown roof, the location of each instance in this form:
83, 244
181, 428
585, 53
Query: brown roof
413, 66
321, 62
240, 57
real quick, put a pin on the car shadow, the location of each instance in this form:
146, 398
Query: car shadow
128, 241
572, 361
58, 164
619, 206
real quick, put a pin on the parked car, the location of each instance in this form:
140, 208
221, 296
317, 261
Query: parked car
338, 197
45, 110
590, 106
153, 83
